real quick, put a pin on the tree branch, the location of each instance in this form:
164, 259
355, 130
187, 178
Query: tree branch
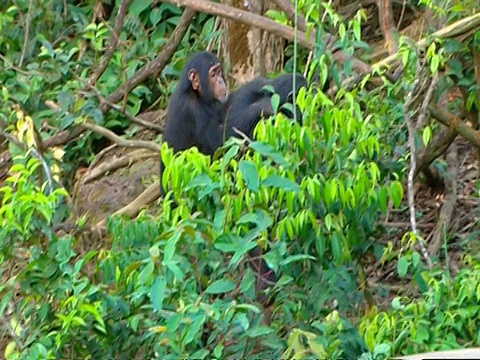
267, 24
122, 12
454, 122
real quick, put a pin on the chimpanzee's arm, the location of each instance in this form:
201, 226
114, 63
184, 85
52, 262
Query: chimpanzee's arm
208, 132
283, 85
246, 118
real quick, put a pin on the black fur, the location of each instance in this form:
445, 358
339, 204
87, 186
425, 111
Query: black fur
192, 119
246, 105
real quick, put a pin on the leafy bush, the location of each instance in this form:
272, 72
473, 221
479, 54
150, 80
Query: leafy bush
177, 283
445, 317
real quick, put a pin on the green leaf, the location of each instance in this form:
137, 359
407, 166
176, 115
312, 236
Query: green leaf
434, 63
6, 297
219, 220
422, 284
250, 174
415, 259
220, 287
248, 307
247, 286
396, 192
65, 100
135, 321
145, 275
275, 102
402, 266
328, 220
381, 349
218, 351
272, 258
427, 135
227, 242
422, 334
278, 16
294, 258
157, 293
231, 153
155, 16
205, 183
195, 330
259, 331
175, 269
260, 218
137, 6
383, 199
337, 248
357, 30
280, 182
244, 248
269, 151
396, 304
170, 247
202, 180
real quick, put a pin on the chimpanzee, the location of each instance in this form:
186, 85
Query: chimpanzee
200, 113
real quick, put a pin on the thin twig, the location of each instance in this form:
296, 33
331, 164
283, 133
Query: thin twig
27, 33
426, 100
411, 172
133, 119
110, 135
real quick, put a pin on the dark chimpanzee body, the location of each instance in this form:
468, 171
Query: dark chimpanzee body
253, 99
202, 114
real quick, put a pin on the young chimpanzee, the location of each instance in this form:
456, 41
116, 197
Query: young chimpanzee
194, 115
200, 113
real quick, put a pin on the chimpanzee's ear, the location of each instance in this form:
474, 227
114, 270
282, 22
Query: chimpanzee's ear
194, 79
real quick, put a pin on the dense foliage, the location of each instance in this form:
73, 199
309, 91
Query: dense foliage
174, 283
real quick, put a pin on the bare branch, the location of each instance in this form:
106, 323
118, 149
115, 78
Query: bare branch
133, 119
244, 17
267, 24
411, 172
120, 141
446, 213
455, 123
